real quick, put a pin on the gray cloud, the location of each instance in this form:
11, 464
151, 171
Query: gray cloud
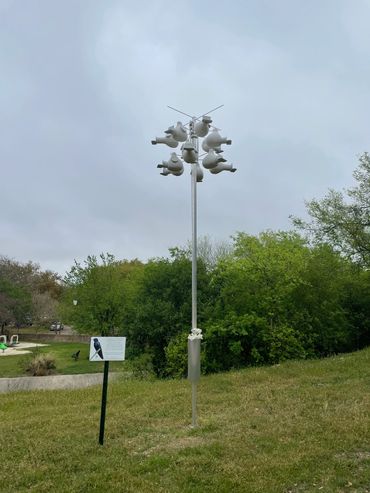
84, 88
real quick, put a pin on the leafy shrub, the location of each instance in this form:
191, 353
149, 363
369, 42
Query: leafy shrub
177, 356
234, 342
283, 343
142, 367
40, 365
246, 340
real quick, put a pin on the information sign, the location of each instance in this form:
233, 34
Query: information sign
107, 348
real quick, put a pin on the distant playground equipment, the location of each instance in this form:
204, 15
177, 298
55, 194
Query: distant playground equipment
14, 340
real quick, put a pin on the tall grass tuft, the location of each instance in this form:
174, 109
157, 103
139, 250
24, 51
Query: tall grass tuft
40, 365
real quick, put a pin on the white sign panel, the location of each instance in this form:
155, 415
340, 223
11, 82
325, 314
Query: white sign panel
107, 348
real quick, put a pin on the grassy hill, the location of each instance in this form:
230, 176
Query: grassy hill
294, 427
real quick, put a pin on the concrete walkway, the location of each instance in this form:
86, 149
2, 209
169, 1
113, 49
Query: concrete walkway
20, 348
53, 382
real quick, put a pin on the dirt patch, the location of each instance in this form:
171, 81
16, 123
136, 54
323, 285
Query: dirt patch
169, 444
355, 456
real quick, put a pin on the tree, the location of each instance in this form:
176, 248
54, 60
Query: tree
342, 218
27, 293
44, 308
163, 304
261, 274
278, 298
320, 304
210, 252
103, 293
253, 313
15, 303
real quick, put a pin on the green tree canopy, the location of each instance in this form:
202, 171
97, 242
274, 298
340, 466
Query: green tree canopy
261, 274
163, 303
278, 298
103, 292
342, 219
27, 293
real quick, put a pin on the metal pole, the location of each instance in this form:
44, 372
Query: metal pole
194, 253
194, 266
194, 241
103, 402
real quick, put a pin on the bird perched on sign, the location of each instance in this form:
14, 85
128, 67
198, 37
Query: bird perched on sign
98, 348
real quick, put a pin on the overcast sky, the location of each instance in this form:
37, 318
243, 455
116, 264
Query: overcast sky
84, 87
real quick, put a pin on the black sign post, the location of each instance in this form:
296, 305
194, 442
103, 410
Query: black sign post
103, 402
106, 349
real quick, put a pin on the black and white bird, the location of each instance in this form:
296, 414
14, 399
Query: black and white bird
76, 355
98, 348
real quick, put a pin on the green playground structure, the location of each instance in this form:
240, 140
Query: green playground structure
3, 346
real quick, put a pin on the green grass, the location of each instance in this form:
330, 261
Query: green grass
11, 366
296, 427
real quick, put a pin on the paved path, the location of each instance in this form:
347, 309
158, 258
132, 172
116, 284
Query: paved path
53, 382
20, 348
